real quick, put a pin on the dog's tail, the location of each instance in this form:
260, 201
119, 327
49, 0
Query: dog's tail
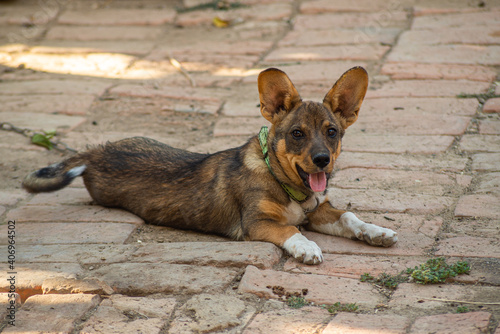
55, 176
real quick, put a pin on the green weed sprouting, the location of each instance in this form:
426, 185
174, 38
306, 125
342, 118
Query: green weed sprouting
339, 307
296, 302
462, 309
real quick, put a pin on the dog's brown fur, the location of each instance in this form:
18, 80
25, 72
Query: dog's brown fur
231, 193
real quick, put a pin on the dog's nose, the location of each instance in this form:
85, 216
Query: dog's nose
321, 160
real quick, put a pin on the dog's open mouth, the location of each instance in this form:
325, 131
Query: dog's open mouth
316, 181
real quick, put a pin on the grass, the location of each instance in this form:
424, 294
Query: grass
462, 309
433, 271
296, 302
339, 307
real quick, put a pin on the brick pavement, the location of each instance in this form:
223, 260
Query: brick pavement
422, 159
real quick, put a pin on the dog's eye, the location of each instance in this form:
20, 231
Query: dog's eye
332, 133
297, 134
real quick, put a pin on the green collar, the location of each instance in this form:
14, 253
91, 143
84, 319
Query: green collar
294, 194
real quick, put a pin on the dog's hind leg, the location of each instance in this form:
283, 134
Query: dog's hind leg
328, 220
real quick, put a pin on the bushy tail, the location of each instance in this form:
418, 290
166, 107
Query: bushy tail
55, 176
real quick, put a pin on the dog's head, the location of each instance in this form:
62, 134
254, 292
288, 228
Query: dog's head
305, 136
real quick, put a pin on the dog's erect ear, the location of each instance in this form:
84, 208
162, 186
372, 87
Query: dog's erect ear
347, 94
277, 94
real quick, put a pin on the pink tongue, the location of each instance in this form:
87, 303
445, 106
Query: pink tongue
317, 181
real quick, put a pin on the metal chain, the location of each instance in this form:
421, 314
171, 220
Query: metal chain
29, 133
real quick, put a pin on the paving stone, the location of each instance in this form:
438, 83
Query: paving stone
349, 323
477, 35
353, 266
322, 6
480, 143
164, 278
411, 123
220, 143
72, 213
433, 22
322, 21
423, 297
61, 285
137, 48
239, 126
404, 181
66, 105
466, 323
338, 36
406, 71
321, 289
103, 33
486, 162
327, 53
211, 313
30, 277
76, 196
53, 87
38, 313
492, 106
430, 88
118, 16
205, 47
11, 196
489, 184
38, 121
399, 161
470, 247
489, 127
70, 233
441, 8
425, 106
305, 320
9, 303
446, 54
485, 206
388, 201
240, 108
411, 144
416, 235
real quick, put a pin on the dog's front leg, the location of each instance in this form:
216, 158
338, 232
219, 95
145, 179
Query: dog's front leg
287, 237
329, 220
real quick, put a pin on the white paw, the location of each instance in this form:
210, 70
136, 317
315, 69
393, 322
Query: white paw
303, 249
372, 234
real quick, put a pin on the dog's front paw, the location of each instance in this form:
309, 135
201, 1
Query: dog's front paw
377, 236
303, 249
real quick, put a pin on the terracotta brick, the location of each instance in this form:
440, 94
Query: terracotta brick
492, 106
103, 33
54, 87
416, 235
39, 312
72, 213
430, 88
469, 247
412, 144
410, 123
39, 121
30, 276
486, 162
327, 53
324, 21
466, 323
485, 206
404, 181
405, 71
399, 161
305, 320
425, 106
118, 16
349, 323
482, 35
446, 54
480, 143
483, 19
164, 278
65, 105
353, 266
321, 289
489, 127
70, 233
338, 36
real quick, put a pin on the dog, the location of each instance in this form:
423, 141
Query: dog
261, 191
